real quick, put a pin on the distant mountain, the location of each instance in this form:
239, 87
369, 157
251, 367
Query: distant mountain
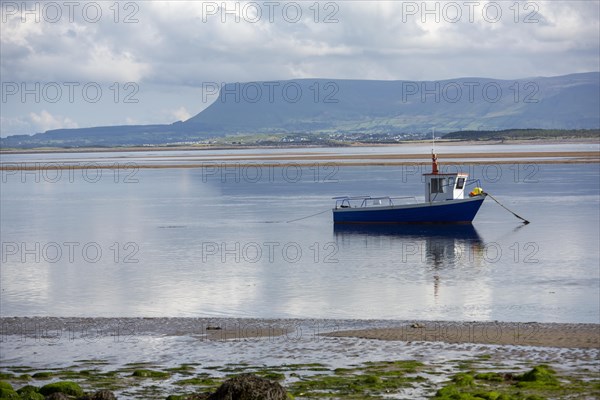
339, 107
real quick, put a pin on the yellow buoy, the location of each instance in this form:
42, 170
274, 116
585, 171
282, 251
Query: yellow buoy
476, 192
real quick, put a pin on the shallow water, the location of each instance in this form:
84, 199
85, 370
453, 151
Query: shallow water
215, 242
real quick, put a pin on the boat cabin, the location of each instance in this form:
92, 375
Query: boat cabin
444, 186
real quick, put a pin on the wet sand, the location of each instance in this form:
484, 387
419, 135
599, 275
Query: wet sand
560, 335
283, 160
583, 336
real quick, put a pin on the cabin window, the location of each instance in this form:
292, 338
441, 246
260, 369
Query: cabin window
460, 183
438, 185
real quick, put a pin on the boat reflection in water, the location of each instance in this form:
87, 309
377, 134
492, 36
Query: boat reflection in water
449, 250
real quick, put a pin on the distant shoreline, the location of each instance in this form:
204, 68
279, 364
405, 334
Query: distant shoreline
440, 142
296, 159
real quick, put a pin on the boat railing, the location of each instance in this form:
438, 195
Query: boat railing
369, 201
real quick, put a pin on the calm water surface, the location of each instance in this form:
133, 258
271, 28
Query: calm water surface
215, 242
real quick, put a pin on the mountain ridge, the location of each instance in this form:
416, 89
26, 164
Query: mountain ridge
346, 107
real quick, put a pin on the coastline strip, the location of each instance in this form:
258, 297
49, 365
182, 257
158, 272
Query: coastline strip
330, 159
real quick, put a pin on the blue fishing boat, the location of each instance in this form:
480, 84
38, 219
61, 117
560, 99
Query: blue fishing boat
445, 202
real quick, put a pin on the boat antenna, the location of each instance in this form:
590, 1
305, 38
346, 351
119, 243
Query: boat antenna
434, 163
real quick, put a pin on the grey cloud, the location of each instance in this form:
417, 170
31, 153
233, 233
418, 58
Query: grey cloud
171, 45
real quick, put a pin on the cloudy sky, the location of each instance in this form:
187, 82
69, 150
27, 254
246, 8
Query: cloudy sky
93, 63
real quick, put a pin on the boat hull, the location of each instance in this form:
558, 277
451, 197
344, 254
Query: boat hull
451, 211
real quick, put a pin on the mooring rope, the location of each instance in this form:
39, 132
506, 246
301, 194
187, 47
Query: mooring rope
308, 216
297, 219
501, 205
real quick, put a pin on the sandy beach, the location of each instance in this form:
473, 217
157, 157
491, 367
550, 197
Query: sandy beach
560, 335
582, 336
442, 142
293, 159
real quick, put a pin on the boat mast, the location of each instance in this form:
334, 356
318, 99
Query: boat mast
434, 162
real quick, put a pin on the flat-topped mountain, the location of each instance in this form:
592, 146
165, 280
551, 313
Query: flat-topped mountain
344, 107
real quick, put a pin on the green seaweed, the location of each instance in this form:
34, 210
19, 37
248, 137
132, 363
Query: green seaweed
538, 383
349, 385
317, 367
199, 381
8, 394
43, 375
273, 376
93, 362
19, 369
490, 376
183, 369
405, 365
541, 376
452, 392
369, 380
463, 379
149, 373
7, 391
28, 389
343, 371
66, 387
32, 396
